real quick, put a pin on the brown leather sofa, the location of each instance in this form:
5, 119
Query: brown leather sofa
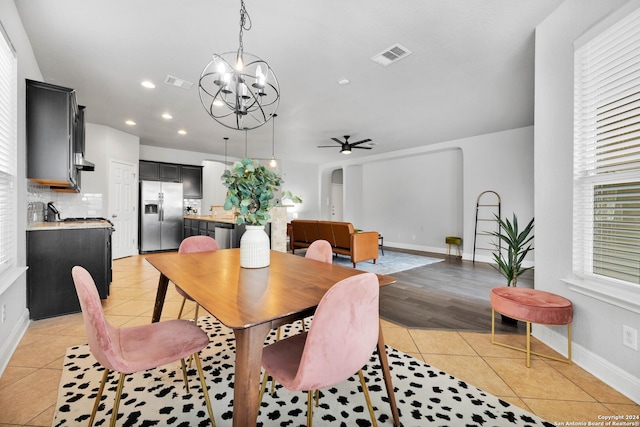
359, 246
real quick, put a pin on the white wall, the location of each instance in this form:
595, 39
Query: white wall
102, 145
13, 286
597, 326
431, 192
213, 190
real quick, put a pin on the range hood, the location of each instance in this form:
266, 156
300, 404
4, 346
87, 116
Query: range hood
82, 164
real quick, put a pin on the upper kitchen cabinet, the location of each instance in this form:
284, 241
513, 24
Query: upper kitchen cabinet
158, 171
55, 137
190, 176
192, 181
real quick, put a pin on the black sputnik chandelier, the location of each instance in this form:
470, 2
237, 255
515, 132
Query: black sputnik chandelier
238, 89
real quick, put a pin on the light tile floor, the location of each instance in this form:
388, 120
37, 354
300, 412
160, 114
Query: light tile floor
556, 391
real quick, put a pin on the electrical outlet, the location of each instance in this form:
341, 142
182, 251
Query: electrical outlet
630, 337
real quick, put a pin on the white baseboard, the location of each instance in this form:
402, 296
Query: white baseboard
9, 347
600, 368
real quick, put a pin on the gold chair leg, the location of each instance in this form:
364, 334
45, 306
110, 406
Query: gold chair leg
569, 344
309, 408
100, 390
205, 391
367, 398
493, 326
184, 374
263, 386
184, 300
116, 401
528, 344
273, 381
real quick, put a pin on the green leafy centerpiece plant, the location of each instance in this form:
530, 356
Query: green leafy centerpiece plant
251, 189
251, 193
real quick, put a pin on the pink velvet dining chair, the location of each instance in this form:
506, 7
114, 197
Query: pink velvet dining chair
137, 348
339, 342
320, 250
190, 245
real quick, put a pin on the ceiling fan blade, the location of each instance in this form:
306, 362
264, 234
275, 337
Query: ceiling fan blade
326, 146
360, 142
338, 141
363, 148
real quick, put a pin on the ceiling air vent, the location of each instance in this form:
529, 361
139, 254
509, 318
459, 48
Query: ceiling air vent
174, 81
391, 55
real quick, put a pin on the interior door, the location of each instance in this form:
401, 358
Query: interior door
122, 208
336, 202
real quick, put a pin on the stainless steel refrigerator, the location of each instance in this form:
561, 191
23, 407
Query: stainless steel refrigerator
161, 208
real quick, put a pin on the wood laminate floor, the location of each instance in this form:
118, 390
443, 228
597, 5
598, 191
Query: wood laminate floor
450, 295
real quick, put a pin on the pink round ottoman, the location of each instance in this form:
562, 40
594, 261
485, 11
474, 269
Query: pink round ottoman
532, 306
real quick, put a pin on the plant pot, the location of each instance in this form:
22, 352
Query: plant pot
254, 247
509, 320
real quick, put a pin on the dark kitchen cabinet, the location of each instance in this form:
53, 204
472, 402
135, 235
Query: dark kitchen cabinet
191, 181
190, 176
149, 171
51, 133
169, 172
51, 254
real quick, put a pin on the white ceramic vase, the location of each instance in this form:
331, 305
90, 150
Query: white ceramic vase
254, 247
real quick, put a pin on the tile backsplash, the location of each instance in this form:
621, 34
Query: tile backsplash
70, 205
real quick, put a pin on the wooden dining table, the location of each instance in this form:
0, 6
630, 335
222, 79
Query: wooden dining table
252, 302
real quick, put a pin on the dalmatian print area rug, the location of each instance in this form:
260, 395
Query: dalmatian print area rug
425, 396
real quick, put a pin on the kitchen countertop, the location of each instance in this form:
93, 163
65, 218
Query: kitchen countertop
69, 225
226, 220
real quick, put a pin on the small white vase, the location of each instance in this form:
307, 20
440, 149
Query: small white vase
254, 247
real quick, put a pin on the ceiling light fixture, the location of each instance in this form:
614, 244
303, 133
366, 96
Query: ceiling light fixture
148, 84
182, 132
130, 122
244, 84
167, 116
273, 162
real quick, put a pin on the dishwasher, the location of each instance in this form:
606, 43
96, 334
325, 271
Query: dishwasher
224, 233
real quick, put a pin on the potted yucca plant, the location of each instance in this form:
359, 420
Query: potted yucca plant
512, 248
516, 243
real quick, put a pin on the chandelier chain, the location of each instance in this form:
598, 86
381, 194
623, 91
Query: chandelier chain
245, 24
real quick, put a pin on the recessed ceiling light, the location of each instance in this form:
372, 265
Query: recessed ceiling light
182, 132
130, 122
218, 103
148, 84
167, 116
343, 82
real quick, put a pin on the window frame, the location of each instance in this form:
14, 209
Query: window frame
617, 292
8, 161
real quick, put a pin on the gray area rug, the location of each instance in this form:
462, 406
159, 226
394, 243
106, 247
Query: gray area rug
389, 263
425, 395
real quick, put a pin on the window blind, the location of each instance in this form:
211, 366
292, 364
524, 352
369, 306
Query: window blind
607, 153
8, 143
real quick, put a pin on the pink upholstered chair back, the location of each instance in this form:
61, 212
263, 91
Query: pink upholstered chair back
320, 250
198, 244
102, 337
343, 334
